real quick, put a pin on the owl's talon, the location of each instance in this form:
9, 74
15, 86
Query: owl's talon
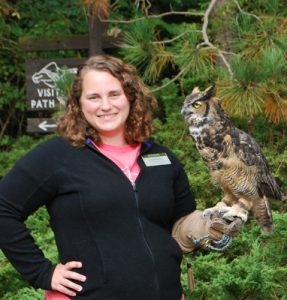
232, 214
227, 213
208, 212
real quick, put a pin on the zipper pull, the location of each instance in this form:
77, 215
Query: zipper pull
190, 277
134, 186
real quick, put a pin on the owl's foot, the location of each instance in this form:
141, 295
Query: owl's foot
232, 213
228, 213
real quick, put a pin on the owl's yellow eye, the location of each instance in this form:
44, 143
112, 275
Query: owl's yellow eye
196, 104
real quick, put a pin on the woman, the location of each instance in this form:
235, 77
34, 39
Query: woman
113, 197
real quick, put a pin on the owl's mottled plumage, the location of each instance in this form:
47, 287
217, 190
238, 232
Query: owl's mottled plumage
234, 158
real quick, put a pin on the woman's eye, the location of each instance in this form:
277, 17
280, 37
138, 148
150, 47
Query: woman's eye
93, 98
196, 104
114, 95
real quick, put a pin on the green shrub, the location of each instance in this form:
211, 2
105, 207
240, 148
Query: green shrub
253, 267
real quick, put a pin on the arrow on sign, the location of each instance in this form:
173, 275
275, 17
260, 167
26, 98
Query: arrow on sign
44, 125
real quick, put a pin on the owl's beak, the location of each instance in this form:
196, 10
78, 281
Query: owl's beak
185, 110
187, 113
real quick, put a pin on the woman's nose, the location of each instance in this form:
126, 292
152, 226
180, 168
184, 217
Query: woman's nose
105, 103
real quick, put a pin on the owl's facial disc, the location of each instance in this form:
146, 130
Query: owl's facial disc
187, 113
191, 108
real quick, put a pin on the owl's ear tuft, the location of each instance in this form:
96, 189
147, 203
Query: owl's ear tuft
195, 90
209, 93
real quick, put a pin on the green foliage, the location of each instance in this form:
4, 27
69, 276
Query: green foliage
247, 93
42, 233
21, 21
193, 61
240, 100
253, 267
171, 102
270, 65
10, 281
12, 149
65, 81
24, 293
255, 38
140, 48
262, 34
267, 7
273, 63
63, 18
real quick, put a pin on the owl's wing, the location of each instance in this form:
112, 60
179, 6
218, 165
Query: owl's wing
250, 153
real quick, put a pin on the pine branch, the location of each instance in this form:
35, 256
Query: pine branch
252, 15
203, 31
176, 37
206, 39
247, 13
169, 82
169, 13
206, 42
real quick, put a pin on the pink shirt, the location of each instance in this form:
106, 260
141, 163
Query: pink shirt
125, 157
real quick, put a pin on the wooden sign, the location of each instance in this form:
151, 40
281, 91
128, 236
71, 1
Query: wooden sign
42, 125
41, 75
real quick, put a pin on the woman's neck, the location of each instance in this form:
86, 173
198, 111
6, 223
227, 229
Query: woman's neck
114, 140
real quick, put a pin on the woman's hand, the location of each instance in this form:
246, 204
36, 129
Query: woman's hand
195, 230
61, 279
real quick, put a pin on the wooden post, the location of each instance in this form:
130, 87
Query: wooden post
96, 30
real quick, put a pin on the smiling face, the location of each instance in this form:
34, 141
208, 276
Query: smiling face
105, 106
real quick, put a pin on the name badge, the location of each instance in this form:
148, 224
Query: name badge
158, 159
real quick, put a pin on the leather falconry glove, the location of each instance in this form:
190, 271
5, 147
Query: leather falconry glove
196, 231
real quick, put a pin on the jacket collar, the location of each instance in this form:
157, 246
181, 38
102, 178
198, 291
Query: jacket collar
146, 145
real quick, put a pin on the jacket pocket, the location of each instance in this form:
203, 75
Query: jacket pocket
92, 265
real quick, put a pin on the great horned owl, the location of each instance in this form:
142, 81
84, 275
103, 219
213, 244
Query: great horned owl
233, 157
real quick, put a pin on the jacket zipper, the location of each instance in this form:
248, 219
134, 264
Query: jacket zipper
145, 240
139, 219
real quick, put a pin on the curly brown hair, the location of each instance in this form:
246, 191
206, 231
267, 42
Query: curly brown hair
73, 126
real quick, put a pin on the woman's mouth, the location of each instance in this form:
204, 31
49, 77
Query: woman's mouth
107, 116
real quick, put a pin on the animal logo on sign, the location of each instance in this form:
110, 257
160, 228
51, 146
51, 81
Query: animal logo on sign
50, 74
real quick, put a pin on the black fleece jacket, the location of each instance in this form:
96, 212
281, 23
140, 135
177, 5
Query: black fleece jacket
119, 231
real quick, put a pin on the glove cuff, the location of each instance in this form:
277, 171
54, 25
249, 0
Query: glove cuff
191, 231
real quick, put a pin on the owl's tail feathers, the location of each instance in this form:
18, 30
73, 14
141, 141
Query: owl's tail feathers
263, 215
267, 228
271, 188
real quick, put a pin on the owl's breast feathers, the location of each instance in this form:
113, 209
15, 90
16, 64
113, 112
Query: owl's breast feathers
233, 156
213, 143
